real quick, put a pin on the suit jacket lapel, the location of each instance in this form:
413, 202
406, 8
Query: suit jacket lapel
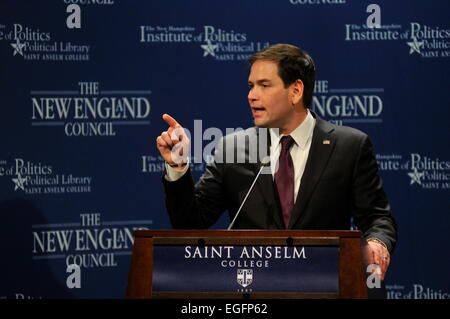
322, 146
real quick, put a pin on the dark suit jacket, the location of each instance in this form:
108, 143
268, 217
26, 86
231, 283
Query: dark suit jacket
340, 183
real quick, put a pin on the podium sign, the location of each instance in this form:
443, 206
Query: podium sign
255, 268
254, 264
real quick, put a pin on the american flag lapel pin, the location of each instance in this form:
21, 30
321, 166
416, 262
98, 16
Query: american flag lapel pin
326, 142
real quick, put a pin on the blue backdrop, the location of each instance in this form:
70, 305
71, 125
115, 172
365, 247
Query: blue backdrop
83, 88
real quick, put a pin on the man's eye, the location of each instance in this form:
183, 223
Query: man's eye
265, 85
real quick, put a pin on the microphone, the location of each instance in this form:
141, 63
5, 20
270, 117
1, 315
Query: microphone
264, 162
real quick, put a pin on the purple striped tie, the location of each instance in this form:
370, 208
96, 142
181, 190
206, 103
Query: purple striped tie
284, 179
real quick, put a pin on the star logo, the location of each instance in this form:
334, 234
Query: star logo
416, 177
18, 47
414, 45
20, 182
209, 48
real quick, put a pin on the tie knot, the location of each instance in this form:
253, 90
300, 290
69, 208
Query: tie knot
286, 142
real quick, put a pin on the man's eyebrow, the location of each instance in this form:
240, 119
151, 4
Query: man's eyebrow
259, 81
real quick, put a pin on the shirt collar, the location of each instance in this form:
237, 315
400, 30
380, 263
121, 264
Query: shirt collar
301, 135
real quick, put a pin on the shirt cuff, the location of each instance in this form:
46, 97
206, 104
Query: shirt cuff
173, 174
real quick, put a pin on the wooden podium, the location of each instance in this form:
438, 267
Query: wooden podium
350, 272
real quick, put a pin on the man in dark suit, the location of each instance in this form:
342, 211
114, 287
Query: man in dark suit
321, 176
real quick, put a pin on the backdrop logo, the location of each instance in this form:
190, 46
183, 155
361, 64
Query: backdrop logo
36, 178
35, 45
213, 42
88, 243
348, 105
167, 34
420, 39
429, 42
228, 45
156, 164
89, 111
420, 170
417, 291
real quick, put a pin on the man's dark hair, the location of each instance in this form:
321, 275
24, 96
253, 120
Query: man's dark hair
293, 64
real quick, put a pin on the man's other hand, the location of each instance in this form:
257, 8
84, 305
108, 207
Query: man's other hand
376, 253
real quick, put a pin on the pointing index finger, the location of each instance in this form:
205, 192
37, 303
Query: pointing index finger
171, 121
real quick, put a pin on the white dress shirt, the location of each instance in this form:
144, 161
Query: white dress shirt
302, 136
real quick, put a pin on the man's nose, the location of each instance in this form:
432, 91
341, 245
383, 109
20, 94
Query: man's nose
251, 95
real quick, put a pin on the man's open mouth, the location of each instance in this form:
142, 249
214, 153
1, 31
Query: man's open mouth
258, 108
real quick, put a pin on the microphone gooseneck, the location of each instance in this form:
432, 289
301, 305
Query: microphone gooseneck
264, 162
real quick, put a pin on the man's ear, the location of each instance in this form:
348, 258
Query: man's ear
297, 89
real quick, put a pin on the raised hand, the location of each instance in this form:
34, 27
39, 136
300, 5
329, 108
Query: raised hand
173, 144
